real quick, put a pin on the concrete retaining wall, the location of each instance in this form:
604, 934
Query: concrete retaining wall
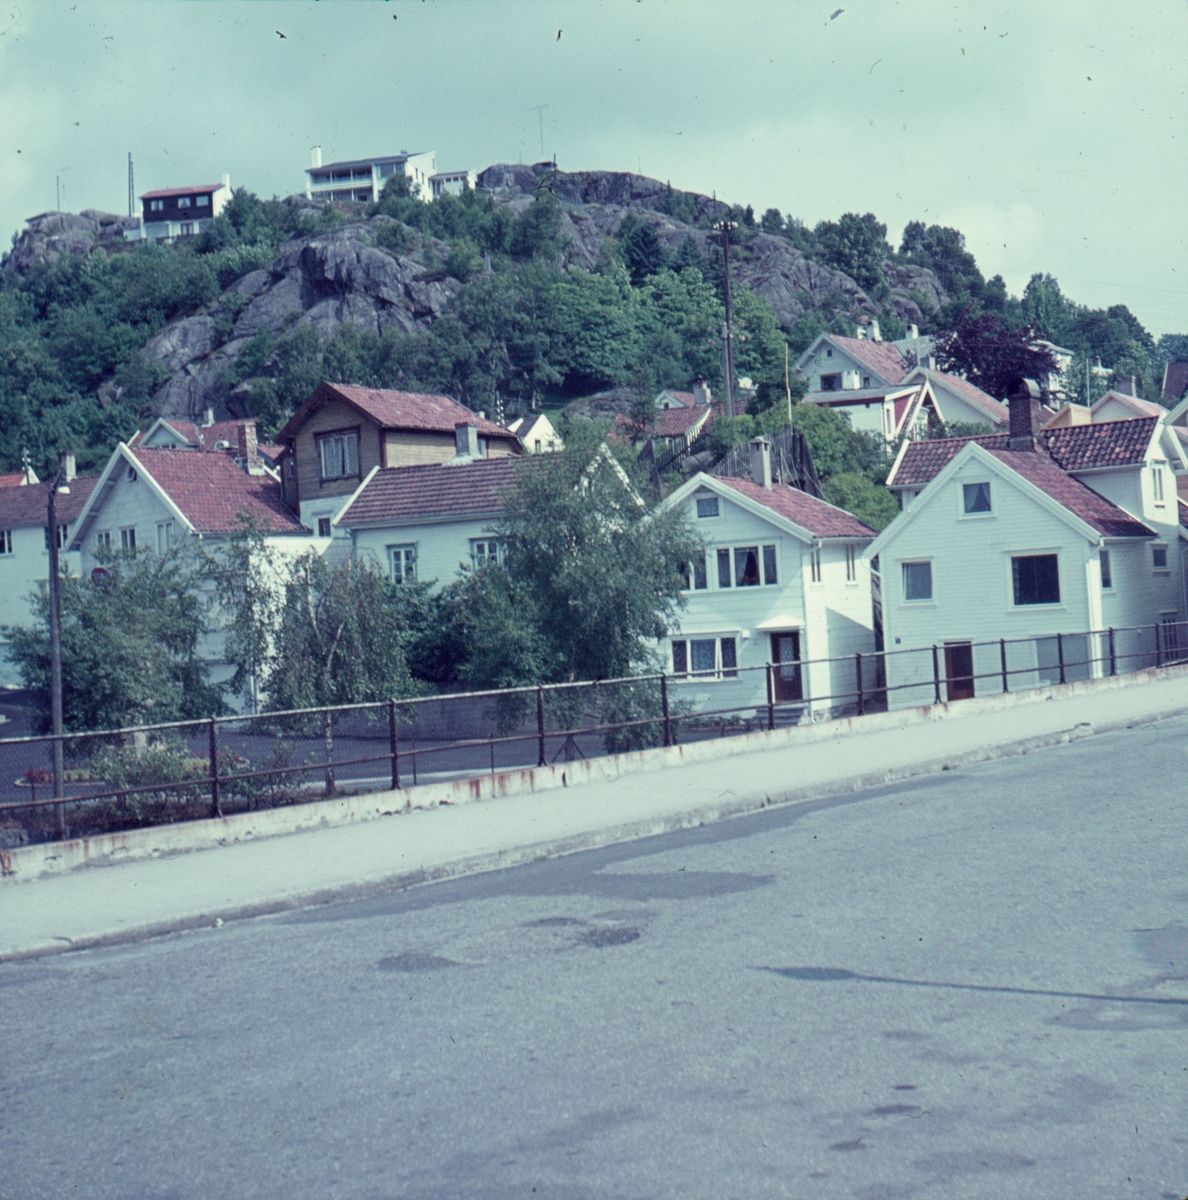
52, 858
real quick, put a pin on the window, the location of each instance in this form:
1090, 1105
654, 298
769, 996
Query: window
851, 564
815, 564
705, 658
404, 563
1159, 556
917, 581
339, 455
103, 540
828, 352
831, 383
536, 446
723, 568
63, 536
769, 565
484, 551
323, 527
707, 506
746, 566
1157, 482
695, 575
202, 201
187, 228
128, 539
866, 381
1107, 579
156, 206
164, 536
976, 497
5, 541
183, 201
1036, 579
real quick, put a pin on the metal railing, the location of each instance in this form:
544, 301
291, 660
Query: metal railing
152, 774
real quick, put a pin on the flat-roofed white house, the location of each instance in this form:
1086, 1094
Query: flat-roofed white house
1012, 547
783, 581
362, 179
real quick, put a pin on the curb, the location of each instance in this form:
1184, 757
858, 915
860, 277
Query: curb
740, 805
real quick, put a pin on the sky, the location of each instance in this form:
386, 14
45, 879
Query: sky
1052, 135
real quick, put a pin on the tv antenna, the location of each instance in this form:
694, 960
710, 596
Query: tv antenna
539, 110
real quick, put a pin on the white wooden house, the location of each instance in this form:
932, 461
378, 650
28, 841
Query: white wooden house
537, 434
1030, 539
783, 580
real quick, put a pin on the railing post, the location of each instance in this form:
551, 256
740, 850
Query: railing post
1113, 654
861, 694
664, 708
540, 728
770, 697
1002, 654
1060, 655
1158, 645
216, 803
935, 676
393, 745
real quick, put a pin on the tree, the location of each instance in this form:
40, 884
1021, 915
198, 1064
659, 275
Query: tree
942, 250
990, 353
860, 495
130, 644
856, 245
642, 250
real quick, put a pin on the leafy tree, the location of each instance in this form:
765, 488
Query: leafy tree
772, 221
990, 353
942, 251
1171, 347
856, 245
537, 230
642, 250
860, 495
1046, 309
129, 645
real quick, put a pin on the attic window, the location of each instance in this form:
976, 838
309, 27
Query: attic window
831, 383
828, 352
976, 497
707, 506
130, 475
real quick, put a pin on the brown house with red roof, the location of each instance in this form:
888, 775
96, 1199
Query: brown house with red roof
342, 432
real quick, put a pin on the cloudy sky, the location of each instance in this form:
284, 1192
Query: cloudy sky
1052, 135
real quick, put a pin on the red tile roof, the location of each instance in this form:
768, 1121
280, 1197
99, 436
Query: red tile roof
923, 461
15, 480
819, 518
881, 357
1108, 444
212, 491
685, 398
1096, 511
25, 506
671, 422
163, 193
971, 393
398, 495
395, 410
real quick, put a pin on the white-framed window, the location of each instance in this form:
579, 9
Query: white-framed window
696, 579
63, 537
1035, 579
1107, 575
5, 541
917, 581
708, 506
747, 566
202, 201
705, 658
403, 562
164, 536
324, 526
339, 454
156, 206
975, 498
103, 539
187, 228
851, 564
183, 201
1157, 483
815, 564
128, 538
484, 552
1159, 556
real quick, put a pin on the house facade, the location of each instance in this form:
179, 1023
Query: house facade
1011, 547
171, 213
362, 179
341, 433
537, 434
889, 411
783, 581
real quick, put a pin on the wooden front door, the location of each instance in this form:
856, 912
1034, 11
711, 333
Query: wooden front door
785, 654
959, 670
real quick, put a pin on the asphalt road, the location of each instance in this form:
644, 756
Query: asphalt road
972, 985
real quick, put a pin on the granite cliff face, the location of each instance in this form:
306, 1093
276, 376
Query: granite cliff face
346, 275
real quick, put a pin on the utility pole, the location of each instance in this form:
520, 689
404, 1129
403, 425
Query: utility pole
131, 187
55, 624
539, 110
724, 228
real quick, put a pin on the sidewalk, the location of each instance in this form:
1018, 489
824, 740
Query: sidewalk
126, 901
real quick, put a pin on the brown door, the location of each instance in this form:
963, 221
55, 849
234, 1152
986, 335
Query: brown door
959, 670
785, 654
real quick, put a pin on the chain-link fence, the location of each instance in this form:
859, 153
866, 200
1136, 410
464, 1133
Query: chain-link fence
158, 774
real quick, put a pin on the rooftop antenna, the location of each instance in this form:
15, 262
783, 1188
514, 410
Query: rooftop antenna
539, 110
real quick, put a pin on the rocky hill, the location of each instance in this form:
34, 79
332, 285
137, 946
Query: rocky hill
346, 275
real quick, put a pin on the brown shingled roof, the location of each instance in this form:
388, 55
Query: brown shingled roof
25, 506
881, 357
395, 410
921, 462
211, 491
1096, 511
403, 494
1109, 444
819, 518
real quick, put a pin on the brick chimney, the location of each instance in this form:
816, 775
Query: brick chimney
1020, 394
1127, 385
761, 462
248, 449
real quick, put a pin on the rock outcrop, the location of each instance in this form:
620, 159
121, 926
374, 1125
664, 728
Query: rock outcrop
52, 236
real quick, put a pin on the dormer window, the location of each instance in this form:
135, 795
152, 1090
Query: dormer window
339, 455
1157, 482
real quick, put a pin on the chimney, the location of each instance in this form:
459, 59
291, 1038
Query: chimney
913, 331
466, 440
315, 156
66, 465
208, 418
227, 181
1127, 385
248, 451
1020, 394
875, 333
701, 392
860, 333
761, 462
